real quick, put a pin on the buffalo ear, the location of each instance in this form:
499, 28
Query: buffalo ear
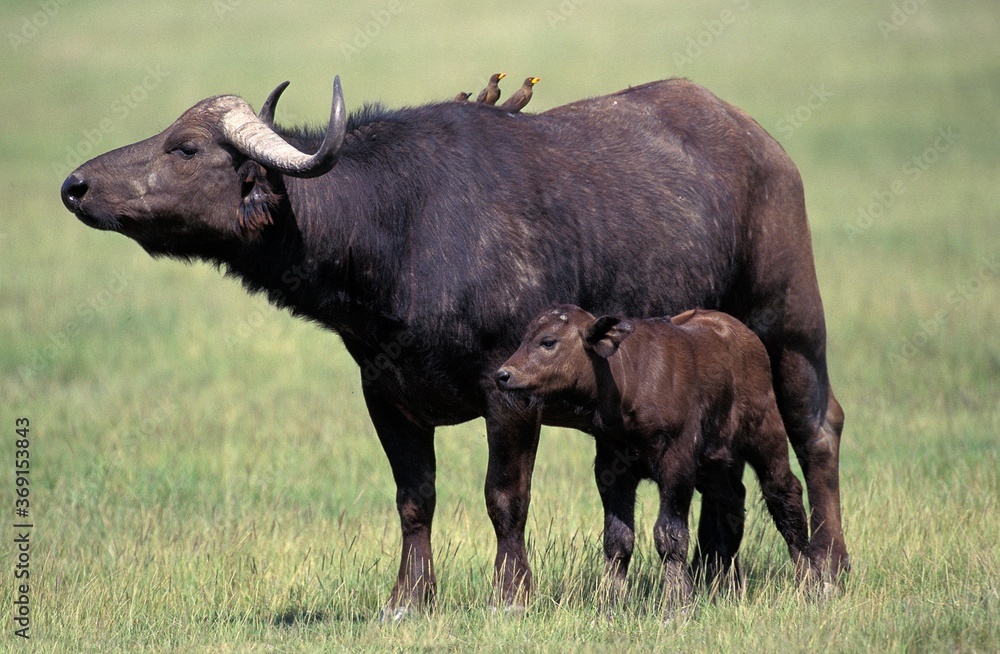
258, 198
605, 334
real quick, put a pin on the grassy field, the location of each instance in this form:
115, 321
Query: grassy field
204, 476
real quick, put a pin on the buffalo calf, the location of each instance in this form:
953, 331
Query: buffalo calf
682, 401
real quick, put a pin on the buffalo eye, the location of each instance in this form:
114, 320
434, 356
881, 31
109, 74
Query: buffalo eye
548, 342
185, 151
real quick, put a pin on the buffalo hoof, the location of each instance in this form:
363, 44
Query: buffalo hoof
610, 599
678, 613
395, 615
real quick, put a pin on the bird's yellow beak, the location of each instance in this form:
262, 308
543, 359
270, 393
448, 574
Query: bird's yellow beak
535, 80
501, 76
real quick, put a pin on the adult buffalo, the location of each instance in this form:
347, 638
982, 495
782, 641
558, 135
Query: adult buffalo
427, 237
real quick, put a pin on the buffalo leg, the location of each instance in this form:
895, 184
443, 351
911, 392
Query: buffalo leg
784, 308
814, 422
617, 482
410, 449
720, 528
513, 443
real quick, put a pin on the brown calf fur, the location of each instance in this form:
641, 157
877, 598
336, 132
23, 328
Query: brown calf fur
683, 401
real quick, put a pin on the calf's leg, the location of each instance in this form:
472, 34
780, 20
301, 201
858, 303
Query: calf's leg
768, 456
410, 449
674, 474
670, 533
720, 529
617, 480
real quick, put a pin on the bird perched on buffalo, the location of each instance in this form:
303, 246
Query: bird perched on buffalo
462, 97
519, 100
491, 93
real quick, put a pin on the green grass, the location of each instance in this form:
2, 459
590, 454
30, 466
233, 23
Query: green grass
205, 477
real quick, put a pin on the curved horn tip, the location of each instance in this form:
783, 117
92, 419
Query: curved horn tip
266, 112
338, 98
329, 151
338, 114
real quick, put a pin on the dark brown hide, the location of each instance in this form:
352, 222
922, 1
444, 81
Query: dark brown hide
683, 403
429, 258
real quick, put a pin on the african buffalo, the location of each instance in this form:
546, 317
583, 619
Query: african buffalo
427, 237
683, 401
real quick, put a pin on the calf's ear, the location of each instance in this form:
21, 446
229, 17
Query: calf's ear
258, 198
605, 334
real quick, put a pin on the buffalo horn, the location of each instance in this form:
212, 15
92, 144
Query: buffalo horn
266, 112
252, 136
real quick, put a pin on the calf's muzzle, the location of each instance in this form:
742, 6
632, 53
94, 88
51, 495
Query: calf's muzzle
506, 380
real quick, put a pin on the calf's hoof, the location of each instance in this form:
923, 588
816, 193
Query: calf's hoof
825, 590
509, 611
396, 613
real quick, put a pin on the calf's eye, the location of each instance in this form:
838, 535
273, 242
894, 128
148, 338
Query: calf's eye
548, 343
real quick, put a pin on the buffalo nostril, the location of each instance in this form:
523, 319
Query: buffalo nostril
73, 190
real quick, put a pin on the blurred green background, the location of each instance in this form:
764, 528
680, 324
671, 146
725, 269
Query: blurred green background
204, 473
